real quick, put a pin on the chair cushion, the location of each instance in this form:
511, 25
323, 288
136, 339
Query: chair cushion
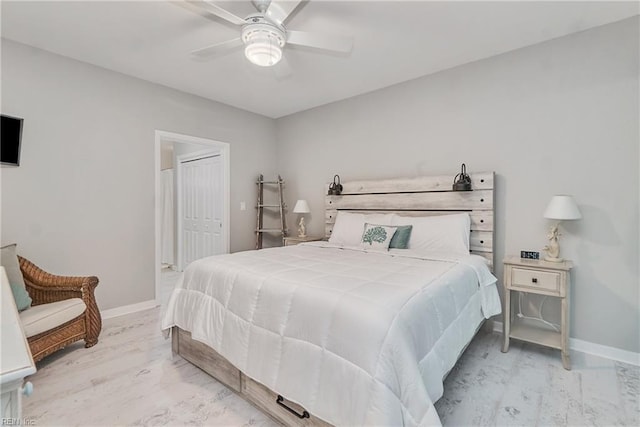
43, 317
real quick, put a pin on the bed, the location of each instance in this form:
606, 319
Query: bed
332, 333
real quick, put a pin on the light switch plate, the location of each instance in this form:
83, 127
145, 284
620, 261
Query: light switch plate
529, 255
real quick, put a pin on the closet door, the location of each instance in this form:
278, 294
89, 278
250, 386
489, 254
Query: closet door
201, 208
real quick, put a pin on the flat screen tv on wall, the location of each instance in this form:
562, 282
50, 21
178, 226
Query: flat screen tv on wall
10, 138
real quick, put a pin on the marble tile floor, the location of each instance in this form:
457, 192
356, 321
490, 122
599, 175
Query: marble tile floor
131, 378
529, 387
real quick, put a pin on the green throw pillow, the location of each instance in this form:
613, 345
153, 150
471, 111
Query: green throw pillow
400, 239
23, 300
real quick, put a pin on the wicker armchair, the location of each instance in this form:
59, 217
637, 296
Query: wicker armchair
45, 288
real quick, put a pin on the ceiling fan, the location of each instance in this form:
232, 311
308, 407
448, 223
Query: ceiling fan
264, 35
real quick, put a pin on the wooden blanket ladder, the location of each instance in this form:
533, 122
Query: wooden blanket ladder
280, 206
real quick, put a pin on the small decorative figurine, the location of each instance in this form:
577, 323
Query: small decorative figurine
553, 248
302, 229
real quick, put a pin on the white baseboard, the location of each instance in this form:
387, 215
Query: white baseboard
605, 351
128, 309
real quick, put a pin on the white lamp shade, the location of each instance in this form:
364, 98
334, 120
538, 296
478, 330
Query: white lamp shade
562, 207
301, 207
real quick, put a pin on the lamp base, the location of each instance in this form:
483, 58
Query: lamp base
302, 229
552, 259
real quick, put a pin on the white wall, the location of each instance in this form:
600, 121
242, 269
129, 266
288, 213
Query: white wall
82, 200
559, 117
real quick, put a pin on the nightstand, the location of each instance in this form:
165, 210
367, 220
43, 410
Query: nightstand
541, 278
295, 240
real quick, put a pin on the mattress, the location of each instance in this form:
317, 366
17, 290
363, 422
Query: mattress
356, 337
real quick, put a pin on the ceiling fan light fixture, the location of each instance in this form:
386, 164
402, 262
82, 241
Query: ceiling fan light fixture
263, 44
262, 53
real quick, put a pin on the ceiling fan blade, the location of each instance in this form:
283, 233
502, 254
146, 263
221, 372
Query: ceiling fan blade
222, 13
279, 11
320, 41
217, 49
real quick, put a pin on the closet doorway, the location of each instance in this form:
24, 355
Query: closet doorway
192, 204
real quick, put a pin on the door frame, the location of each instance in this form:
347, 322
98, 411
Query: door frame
224, 150
188, 157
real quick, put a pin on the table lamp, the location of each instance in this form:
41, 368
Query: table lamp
301, 207
560, 208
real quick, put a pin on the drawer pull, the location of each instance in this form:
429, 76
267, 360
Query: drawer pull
534, 279
280, 401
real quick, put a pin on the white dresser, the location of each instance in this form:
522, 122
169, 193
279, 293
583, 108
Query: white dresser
15, 359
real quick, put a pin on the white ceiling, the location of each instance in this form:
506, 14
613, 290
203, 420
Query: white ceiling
394, 42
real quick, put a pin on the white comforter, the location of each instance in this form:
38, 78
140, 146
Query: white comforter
356, 337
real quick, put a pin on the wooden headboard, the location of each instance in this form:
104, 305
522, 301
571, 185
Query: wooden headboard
422, 196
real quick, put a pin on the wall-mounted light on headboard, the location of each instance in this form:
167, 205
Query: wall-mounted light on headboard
462, 181
335, 188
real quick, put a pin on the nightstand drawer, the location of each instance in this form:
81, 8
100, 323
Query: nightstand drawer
536, 279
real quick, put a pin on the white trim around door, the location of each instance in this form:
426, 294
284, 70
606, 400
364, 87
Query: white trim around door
207, 145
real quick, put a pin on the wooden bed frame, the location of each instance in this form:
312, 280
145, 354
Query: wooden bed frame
421, 196
270, 402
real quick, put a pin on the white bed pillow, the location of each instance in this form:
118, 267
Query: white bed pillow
348, 229
441, 233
